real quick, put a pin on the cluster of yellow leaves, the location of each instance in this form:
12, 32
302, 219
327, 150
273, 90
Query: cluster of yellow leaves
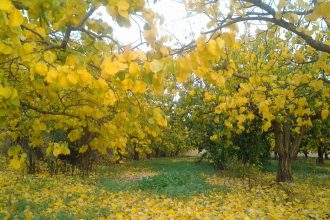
206, 56
271, 92
8, 99
121, 9
58, 148
15, 17
17, 159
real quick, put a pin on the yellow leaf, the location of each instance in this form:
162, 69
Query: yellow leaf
28, 47
123, 5
73, 78
75, 134
165, 52
316, 85
133, 68
51, 76
109, 98
156, 66
61, 148
83, 149
212, 48
324, 114
160, 119
41, 68
266, 126
220, 42
279, 102
41, 31
63, 81
49, 56
110, 68
228, 124
6, 5
214, 137
5, 92
14, 150
15, 18
28, 215
5, 49
49, 150
139, 87
15, 163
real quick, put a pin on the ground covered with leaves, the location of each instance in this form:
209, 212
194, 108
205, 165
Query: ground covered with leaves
167, 189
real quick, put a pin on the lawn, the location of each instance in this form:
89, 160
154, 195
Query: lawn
167, 189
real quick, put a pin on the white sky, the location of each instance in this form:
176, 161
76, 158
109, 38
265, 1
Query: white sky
176, 24
181, 28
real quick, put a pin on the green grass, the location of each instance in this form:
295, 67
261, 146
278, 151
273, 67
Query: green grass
305, 171
301, 166
179, 178
183, 177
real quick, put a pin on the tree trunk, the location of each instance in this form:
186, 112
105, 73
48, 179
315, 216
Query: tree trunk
320, 155
284, 172
326, 155
287, 148
306, 154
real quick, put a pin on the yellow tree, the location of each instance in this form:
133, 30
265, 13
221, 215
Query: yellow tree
263, 79
283, 82
61, 68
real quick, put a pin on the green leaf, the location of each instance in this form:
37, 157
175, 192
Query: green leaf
147, 78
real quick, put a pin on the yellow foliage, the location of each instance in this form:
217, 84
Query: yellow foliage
6, 5
15, 18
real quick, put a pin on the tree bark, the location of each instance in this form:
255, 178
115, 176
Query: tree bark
306, 154
284, 172
287, 148
136, 153
320, 155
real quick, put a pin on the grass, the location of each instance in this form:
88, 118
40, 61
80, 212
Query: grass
301, 166
177, 178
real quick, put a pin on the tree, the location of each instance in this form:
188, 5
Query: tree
317, 140
61, 68
263, 79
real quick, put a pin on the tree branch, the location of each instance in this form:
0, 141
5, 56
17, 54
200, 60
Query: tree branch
69, 29
317, 45
27, 105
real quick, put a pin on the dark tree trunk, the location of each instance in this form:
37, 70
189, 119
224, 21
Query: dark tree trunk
305, 154
320, 155
157, 152
326, 155
287, 148
284, 172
